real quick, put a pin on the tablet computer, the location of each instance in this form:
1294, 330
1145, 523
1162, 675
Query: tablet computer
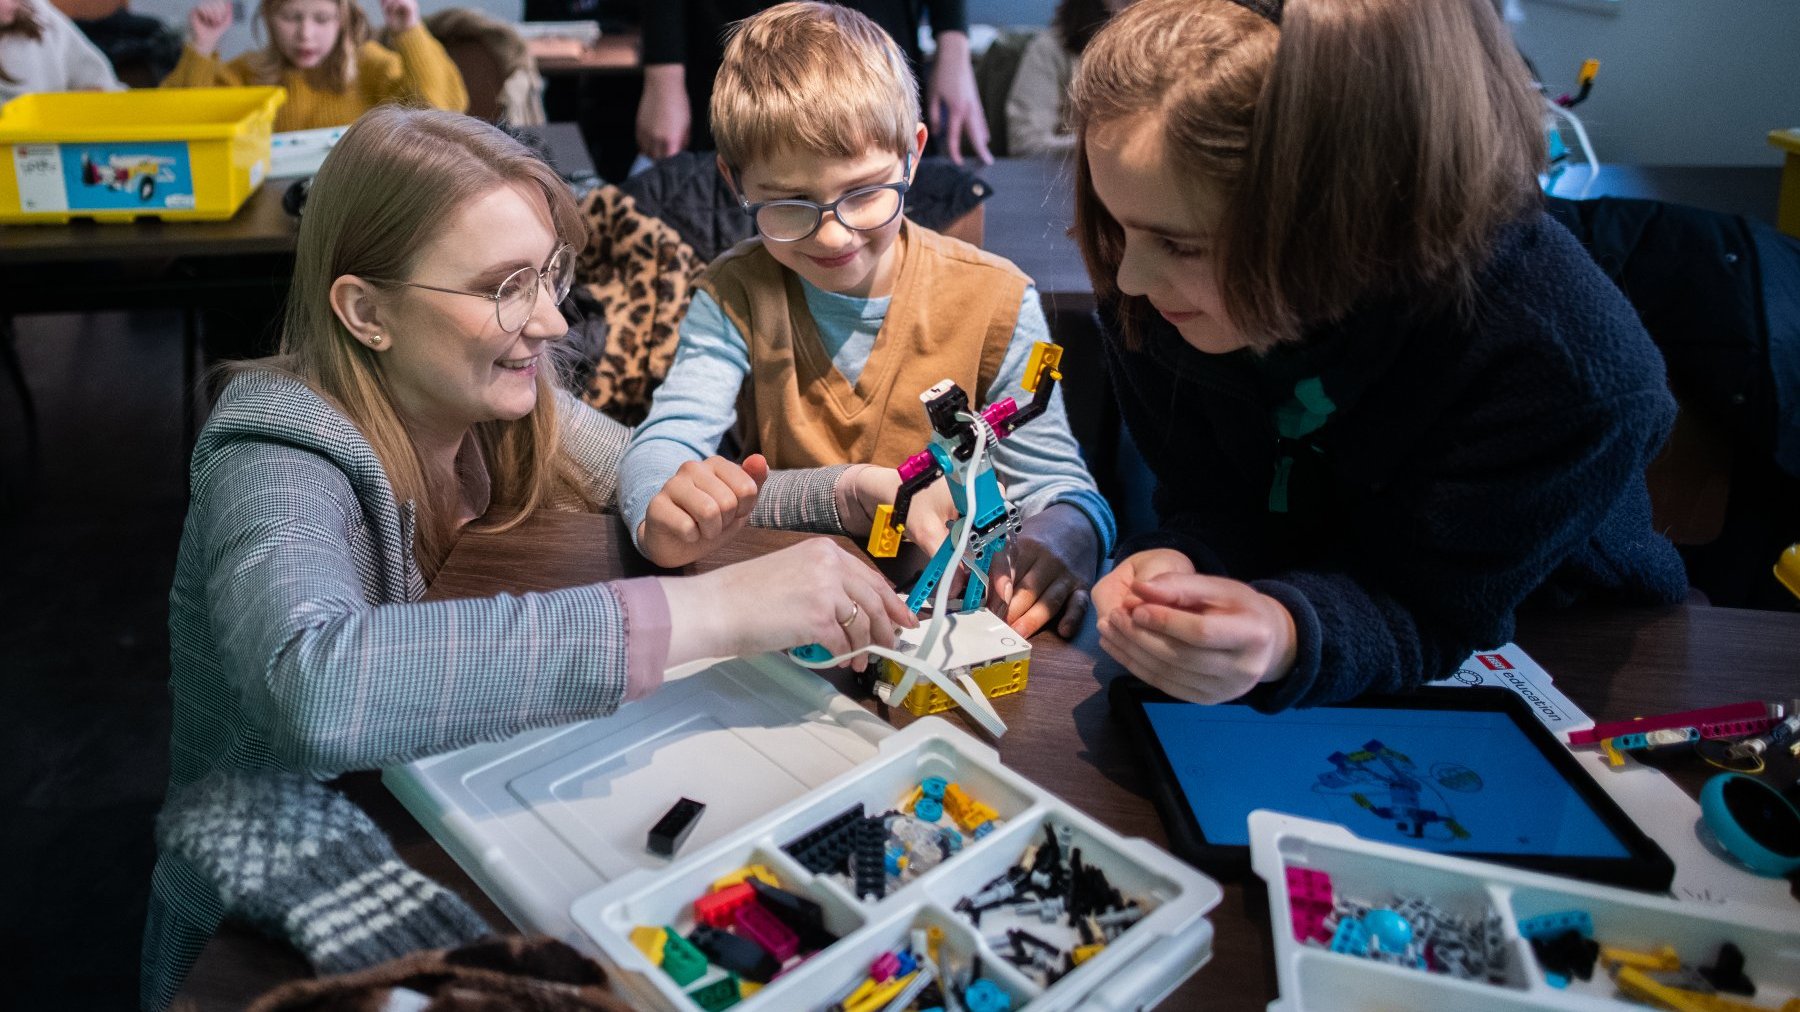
1463, 771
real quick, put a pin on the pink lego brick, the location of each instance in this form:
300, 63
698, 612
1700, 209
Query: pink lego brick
1309, 902
763, 928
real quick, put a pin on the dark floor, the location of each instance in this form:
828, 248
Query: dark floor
88, 551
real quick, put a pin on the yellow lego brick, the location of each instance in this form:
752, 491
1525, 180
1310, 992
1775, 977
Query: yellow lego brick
747, 987
1002, 678
1045, 358
1590, 69
967, 812
744, 874
913, 798
1614, 757
1635, 983
649, 941
1083, 953
880, 996
1662, 959
884, 534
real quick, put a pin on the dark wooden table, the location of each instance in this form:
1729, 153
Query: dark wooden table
1612, 663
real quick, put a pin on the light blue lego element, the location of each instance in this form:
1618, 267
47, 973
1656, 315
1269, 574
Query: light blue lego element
1556, 980
1551, 925
1640, 739
892, 856
994, 520
1351, 938
928, 809
933, 787
984, 829
1389, 929
985, 996
953, 841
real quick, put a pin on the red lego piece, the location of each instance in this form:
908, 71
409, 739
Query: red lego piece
1309, 902
716, 909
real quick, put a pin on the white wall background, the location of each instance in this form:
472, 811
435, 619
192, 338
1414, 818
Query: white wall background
1682, 82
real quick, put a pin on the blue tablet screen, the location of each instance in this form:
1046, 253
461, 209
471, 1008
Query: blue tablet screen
1442, 780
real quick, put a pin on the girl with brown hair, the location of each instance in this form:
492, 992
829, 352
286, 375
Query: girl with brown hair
322, 53
413, 398
1386, 399
42, 50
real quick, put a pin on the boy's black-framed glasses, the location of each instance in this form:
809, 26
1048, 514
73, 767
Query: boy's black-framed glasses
516, 298
863, 209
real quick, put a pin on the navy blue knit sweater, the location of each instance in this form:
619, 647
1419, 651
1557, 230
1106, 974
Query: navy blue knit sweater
1469, 464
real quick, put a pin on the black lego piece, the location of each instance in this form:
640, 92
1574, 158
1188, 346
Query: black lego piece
739, 955
826, 847
1727, 972
802, 916
1569, 954
667, 835
868, 859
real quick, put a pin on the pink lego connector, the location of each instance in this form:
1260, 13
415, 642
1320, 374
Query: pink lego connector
1309, 902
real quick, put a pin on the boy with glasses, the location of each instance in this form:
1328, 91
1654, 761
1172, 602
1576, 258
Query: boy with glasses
811, 341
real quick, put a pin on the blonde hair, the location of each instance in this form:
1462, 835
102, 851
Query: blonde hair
334, 73
1364, 149
813, 77
392, 181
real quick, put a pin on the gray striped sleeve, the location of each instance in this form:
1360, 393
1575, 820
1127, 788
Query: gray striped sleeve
335, 682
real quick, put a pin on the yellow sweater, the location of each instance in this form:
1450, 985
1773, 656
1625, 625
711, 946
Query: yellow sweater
418, 69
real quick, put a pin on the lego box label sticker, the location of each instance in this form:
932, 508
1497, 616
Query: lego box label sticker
150, 176
39, 171
1511, 668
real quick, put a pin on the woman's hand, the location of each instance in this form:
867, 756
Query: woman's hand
701, 508
207, 24
812, 592
663, 118
401, 15
1206, 639
1046, 572
865, 487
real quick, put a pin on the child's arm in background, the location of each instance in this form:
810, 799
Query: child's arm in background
86, 67
692, 410
200, 66
1069, 527
426, 71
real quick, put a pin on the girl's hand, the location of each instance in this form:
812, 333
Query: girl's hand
1113, 592
812, 592
865, 487
401, 15
207, 24
1205, 639
1046, 572
701, 508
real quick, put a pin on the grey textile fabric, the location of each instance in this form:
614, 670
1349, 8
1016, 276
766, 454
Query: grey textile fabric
298, 860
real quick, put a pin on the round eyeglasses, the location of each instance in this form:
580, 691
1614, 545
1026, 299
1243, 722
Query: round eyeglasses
516, 298
863, 209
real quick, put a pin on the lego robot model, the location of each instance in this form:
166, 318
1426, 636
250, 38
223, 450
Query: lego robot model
986, 657
1376, 768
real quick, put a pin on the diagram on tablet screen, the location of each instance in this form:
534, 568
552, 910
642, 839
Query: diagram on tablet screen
1385, 783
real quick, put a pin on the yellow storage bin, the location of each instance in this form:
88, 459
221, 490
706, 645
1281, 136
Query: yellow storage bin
1787, 215
172, 153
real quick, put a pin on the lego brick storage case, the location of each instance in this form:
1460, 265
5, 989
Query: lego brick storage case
836, 860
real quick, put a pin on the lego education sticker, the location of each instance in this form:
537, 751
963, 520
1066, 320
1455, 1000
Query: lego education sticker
149, 176
39, 171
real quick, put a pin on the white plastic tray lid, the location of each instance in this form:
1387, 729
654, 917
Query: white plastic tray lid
542, 818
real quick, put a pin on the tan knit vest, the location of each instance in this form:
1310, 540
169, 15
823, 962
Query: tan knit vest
952, 315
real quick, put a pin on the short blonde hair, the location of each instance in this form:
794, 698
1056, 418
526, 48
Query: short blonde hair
813, 77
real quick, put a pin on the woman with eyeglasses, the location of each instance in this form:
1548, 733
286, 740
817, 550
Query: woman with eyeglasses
414, 397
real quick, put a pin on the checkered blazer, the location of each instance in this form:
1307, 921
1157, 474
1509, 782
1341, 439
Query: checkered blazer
298, 639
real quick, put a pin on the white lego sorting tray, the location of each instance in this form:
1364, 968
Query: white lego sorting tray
560, 815
1134, 971
1312, 978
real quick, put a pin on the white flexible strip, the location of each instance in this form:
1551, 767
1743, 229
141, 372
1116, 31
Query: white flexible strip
1587, 148
963, 692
